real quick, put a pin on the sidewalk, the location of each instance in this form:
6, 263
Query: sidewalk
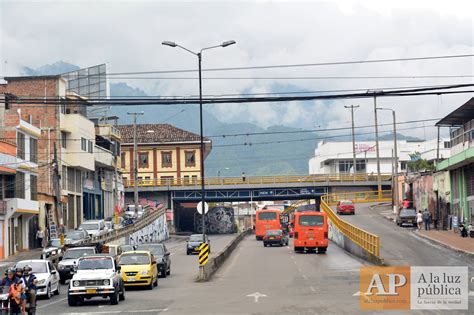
449, 239
446, 238
10, 261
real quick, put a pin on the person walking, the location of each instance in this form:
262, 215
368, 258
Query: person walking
426, 219
40, 238
419, 219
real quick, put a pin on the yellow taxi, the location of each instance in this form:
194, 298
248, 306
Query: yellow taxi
139, 268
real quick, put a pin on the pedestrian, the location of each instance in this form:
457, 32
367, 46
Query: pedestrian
40, 238
426, 219
419, 219
463, 230
243, 176
406, 203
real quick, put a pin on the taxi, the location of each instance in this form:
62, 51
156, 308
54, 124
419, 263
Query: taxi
139, 268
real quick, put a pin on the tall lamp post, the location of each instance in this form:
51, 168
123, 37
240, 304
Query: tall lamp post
199, 55
219, 172
395, 155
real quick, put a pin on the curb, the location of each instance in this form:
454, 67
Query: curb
437, 242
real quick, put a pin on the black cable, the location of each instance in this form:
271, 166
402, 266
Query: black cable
302, 78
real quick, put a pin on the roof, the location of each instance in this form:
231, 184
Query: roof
460, 116
158, 133
33, 77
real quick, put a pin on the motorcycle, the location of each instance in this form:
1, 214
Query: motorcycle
4, 300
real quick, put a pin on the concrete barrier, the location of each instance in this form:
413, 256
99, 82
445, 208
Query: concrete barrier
207, 271
348, 245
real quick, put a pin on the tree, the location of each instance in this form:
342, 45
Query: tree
418, 164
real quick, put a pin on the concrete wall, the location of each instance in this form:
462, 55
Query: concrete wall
155, 232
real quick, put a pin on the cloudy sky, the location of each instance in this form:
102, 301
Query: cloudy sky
128, 35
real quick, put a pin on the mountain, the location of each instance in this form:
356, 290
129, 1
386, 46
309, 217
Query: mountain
237, 147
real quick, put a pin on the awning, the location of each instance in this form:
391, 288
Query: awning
460, 116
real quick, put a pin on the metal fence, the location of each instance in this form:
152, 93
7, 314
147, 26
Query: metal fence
255, 180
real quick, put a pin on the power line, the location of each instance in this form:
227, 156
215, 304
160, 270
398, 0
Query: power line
303, 78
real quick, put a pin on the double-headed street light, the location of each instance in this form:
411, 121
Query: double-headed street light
199, 55
395, 155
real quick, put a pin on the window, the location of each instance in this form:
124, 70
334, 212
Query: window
447, 144
190, 158
71, 179
90, 146
122, 160
267, 216
83, 144
346, 166
9, 186
20, 185
142, 159
63, 139
167, 179
78, 181
166, 159
64, 177
34, 150
403, 165
311, 220
20, 145
34, 187
186, 179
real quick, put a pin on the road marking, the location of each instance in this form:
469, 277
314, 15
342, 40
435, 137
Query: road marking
312, 288
305, 277
256, 296
292, 257
51, 303
124, 311
294, 261
101, 306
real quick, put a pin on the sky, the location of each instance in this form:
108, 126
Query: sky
127, 35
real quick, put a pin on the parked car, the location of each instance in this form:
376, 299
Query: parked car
69, 260
46, 274
93, 227
110, 223
345, 207
96, 276
194, 241
77, 236
139, 268
406, 216
162, 256
275, 237
130, 212
128, 248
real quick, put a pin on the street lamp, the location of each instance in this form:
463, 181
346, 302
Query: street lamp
395, 154
199, 55
219, 172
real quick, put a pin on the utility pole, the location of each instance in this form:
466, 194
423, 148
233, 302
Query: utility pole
135, 161
354, 162
57, 193
395, 210
377, 150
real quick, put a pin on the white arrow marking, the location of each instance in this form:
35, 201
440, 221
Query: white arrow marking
256, 296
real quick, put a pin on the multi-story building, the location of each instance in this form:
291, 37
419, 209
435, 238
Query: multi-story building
337, 157
461, 163
165, 153
19, 210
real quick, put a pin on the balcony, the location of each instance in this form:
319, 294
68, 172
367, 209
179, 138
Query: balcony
103, 157
19, 206
108, 131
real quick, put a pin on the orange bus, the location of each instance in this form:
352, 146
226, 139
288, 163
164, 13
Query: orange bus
310, 231
266, 220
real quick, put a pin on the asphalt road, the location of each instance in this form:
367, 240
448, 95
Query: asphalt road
184, 269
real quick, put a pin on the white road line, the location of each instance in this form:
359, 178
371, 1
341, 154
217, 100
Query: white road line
312, 289
292, 257
52, 303
294, 261
305, 277
122, 312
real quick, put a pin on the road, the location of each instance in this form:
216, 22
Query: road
184, 269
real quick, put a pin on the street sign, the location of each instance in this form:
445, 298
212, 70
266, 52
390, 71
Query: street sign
266, 192
199, 207
203, 254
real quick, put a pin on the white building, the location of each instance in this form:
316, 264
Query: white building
337, 157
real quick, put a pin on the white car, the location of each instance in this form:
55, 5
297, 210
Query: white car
46, 274
130, 212
93, 227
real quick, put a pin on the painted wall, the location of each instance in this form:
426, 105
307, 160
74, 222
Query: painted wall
152, 233
423, 195
219, 220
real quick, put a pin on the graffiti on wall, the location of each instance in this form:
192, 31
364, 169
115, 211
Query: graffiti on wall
219, 220
152, 233
423, 194
335, 235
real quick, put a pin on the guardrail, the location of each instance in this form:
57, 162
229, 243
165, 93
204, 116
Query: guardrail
255, 180
368, 241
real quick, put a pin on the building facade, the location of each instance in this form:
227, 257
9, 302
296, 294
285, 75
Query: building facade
19, 209
165, 153
461, 163
337, 157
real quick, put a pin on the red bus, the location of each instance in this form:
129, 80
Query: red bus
310, 231
266, 220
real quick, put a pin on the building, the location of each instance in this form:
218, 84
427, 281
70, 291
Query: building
19, 209
337, 157
461, 163
165, 153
